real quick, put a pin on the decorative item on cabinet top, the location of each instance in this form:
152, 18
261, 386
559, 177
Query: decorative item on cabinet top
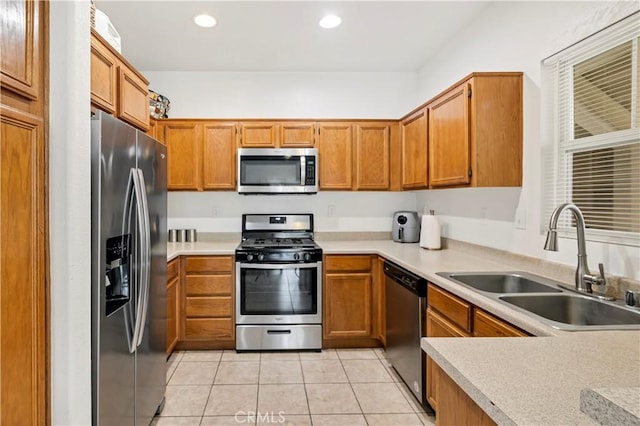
158, 105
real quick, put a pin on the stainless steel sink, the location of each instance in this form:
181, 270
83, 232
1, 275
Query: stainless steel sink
568, 311
503, 282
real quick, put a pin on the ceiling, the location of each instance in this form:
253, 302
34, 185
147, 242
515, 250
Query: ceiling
285, 36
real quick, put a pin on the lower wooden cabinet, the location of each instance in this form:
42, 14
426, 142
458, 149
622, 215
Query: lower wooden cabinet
207, 296
173, 304
351, 307
487, 325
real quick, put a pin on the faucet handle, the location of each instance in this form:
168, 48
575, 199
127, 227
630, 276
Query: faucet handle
603, 280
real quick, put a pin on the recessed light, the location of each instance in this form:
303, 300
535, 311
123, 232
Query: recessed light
204, 20
330, 21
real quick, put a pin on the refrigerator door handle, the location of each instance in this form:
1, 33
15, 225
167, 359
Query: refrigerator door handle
142, 247
129, 316
147, 255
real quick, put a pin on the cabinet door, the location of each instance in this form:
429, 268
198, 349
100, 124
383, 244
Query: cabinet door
297, 135
347, 305
219, 156
414, 151
20, 45
22, 268
486, 325
449, 139
258, 135
104, 70
173, 309
184, 143
456, 407
335, 152
133, 98
372, 156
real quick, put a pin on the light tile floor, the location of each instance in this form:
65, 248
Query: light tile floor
345, 387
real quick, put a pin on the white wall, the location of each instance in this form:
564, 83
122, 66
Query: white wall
286, 94
70, 213
333, 211
517, 36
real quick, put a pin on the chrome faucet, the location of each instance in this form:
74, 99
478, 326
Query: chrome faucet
584, 279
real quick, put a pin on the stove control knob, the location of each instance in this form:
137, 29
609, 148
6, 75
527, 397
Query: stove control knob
296, 256
307, 257
249, 257
260, 257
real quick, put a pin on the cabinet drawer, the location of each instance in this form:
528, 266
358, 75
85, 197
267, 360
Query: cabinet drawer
486, 325
209, 285
208, 307
451, 307
208, 328
172, 269
347, 263
209, 264
439, 326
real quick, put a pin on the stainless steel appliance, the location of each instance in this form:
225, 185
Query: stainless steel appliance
406, 227
278, 284
128, 273
406, 304
277, 171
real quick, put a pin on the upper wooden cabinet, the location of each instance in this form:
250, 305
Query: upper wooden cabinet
272, 134
475, 132
201, 154
372, 156
117, 87
414, 150
335, 155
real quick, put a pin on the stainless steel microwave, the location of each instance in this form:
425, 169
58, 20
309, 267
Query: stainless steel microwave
277, 171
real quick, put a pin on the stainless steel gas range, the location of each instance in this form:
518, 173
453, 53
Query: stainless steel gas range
278, 284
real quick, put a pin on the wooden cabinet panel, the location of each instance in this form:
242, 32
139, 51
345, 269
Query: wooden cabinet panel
449, 145
133, 99
455, 407
208, 307
209, 285
258, 135
173, 269
173, 309
209, 328
297, 135
21, 45
347, 305
347, 263
458, 311
335, 152
487, 325
209, 263
219, 156
414, 151
184, 144
22, 268
104, 70
372, 156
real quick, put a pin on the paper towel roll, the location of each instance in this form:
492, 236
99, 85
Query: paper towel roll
430, 232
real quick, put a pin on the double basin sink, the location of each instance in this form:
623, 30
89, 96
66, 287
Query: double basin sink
542, 299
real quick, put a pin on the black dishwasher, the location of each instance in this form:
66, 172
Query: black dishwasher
406, 303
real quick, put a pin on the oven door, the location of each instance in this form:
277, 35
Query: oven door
279, 293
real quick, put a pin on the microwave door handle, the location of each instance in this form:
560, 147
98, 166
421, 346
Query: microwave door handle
303, 170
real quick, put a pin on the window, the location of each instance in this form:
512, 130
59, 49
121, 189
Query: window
591, 155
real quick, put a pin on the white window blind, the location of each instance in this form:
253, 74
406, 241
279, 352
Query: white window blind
592, 125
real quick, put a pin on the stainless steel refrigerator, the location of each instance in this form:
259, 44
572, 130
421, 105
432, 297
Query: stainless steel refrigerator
128, 267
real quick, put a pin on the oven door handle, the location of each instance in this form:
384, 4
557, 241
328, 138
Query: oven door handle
280, 265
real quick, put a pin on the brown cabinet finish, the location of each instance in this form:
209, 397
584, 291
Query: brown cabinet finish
208, 302
414, 150
173, 304
487, 325
297, 135
458, 311
24, 238
351, 263
258, 135
219, 156
335, 156
372, 156
475, 132
184, 145
116, 86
